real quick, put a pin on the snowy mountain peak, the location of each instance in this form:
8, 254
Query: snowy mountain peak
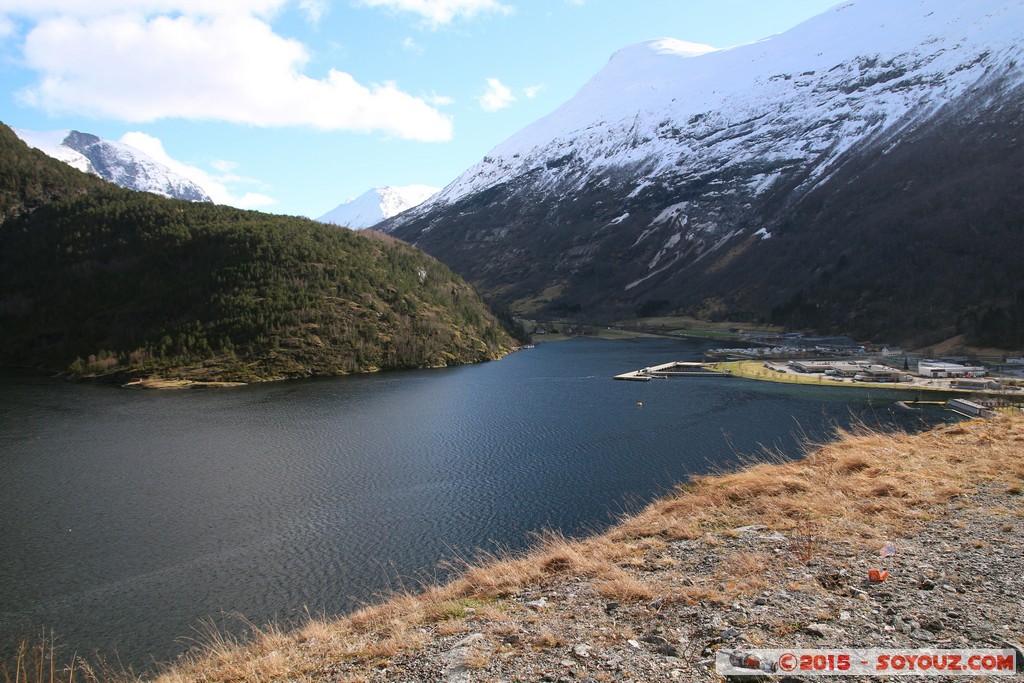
117, 162
376, 205
859, 69
675, 177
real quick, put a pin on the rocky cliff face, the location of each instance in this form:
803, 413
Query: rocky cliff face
746, 182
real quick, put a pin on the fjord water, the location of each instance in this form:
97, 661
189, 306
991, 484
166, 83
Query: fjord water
128, 516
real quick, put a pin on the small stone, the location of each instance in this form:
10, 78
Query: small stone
761, 600
924, 636
538, 605
729, 633
667, 650
934, 625
472, 639
614, 663
925, 584
611, 607
582, 651
634, 643
820, 630
656, 640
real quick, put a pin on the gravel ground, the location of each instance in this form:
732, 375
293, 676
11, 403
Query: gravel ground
955, 583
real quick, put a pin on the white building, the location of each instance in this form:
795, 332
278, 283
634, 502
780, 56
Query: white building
935, 368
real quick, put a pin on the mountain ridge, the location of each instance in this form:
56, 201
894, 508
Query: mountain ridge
116, 162
601, 210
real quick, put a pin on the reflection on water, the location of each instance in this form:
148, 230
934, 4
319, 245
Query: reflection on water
126, 516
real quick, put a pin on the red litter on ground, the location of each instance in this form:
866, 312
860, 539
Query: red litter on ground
877, 575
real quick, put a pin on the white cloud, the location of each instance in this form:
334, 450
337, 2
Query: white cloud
498, 96
37, 9
438, 13
217, 186
314, 9
412, 46
439, 100
532, 91
224, 65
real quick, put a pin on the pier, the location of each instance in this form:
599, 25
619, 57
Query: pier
673, 369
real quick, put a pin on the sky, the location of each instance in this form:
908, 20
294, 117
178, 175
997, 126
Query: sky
294, 106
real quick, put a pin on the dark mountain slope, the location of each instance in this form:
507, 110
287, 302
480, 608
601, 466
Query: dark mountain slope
29, 179
916, 242
131, 283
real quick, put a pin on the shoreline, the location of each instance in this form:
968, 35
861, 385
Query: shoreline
773, 555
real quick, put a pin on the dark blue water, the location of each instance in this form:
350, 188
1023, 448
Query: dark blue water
127, 516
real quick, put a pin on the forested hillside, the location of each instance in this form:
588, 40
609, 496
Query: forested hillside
102, 281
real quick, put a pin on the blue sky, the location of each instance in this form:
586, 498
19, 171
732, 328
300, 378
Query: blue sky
293, 106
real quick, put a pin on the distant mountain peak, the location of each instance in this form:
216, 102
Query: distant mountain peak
117, 162
376, 205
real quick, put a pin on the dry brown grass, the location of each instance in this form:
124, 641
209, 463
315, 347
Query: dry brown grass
622, 587
859, 489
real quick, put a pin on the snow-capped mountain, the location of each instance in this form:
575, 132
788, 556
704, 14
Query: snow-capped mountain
671, 178
375, 205
119, 163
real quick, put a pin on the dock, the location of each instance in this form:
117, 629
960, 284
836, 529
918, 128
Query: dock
672, 369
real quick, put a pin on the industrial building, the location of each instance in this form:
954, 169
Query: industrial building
942, 369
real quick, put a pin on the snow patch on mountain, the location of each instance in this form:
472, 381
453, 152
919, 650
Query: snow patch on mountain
865, 69
377, 204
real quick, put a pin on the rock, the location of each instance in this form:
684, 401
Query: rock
729, 633
934, 625
611, 607
471, 639
582, 651
923, 636
538, 605
667, 650
455, 659
820, 630
634, 643
1018, 648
